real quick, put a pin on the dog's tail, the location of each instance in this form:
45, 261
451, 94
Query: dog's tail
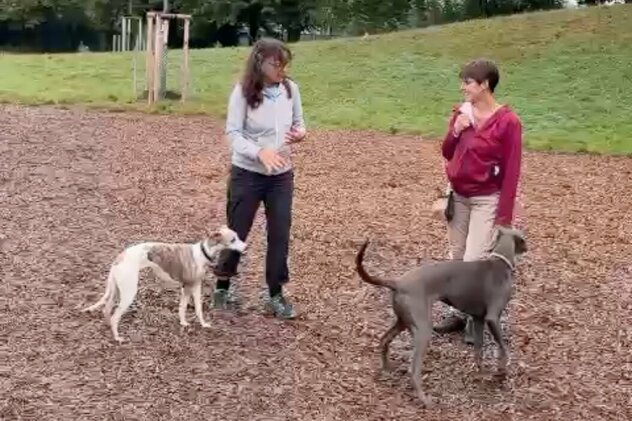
388, 283
108, 295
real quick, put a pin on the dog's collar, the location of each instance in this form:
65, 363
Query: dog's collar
504, 259
205, 253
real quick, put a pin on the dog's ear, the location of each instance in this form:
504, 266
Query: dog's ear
498, 232
519, 243
216, 236
504, 230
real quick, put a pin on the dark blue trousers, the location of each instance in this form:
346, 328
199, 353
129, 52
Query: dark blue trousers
246, 191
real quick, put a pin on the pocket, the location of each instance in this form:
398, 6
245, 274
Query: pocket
236, 173
241, 176
473, 168
240, 181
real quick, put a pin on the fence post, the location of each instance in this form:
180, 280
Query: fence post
150, 62
185, 60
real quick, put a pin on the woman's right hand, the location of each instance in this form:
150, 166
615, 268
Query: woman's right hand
461, 123
271, 159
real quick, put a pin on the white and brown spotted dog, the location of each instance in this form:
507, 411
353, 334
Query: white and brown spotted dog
184, 263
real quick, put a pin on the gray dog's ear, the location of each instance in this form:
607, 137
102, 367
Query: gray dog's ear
519, 242
498, 232
520, 245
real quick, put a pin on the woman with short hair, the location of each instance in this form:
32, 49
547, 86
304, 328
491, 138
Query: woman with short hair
483, 149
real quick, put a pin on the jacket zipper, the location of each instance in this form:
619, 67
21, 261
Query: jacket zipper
276, 122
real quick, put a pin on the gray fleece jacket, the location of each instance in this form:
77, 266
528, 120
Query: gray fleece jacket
251, 130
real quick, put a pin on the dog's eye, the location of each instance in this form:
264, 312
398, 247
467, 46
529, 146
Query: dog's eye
233, 240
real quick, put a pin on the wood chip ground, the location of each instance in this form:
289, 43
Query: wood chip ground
77, 186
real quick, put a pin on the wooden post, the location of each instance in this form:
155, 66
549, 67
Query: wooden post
185, 61
130, 32
157, 56
163, 59
149, 57
140, 34
124, 23
135, 48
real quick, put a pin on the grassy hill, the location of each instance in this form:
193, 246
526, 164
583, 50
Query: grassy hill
568, 73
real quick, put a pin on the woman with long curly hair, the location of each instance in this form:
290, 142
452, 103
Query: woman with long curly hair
265, 117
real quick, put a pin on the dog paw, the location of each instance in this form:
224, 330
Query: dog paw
206, 325
185, 324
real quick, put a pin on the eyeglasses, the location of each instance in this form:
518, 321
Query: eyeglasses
275, 64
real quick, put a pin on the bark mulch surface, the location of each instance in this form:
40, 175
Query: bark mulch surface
77, 187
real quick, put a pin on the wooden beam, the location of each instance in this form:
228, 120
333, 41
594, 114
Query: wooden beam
150, 62
157, 57
123, 34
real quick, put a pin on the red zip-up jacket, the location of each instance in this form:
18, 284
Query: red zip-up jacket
486, 160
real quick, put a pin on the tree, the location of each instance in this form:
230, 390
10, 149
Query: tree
219, 13
57, 22
294, 16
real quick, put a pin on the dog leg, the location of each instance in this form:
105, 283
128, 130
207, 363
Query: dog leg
421, 337
110, 288
478, 328
109, 303
127, 292
386, 340
164, 278
197, 301
494, 327
185, 295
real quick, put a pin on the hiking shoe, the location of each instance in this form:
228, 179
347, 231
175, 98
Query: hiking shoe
453, 323
280, 307
223, 299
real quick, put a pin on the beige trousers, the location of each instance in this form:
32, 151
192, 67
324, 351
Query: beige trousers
471, 231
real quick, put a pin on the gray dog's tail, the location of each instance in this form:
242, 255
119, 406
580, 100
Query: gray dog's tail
389, 283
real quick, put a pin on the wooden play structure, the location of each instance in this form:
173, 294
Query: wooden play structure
156, 55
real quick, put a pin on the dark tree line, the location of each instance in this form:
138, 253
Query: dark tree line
60, 25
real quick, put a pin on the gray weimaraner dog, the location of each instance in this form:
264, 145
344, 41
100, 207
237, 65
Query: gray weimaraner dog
479, 288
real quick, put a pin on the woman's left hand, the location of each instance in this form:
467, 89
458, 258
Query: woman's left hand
295, 135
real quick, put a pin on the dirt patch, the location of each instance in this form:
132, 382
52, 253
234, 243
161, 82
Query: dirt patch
76, 187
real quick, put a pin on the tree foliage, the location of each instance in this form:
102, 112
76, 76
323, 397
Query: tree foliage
286, 18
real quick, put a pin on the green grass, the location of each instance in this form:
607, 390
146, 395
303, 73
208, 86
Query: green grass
568, 74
